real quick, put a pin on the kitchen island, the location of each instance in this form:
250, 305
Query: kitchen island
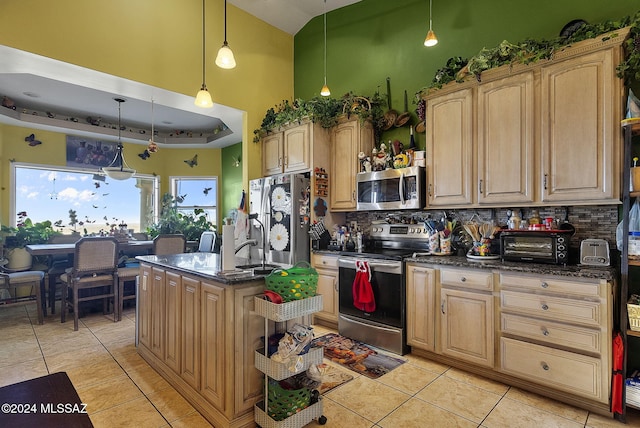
196, 327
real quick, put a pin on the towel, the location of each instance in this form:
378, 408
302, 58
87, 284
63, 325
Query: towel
363, 298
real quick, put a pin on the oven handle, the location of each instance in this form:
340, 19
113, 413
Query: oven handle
393, 267
378, 327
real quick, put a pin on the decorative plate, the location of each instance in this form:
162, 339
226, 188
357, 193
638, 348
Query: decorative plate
279, 237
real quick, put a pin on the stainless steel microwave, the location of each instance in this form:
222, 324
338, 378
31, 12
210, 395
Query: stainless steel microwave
391, 189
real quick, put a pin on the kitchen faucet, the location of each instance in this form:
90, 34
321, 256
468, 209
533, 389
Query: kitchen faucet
263, 270
245, 243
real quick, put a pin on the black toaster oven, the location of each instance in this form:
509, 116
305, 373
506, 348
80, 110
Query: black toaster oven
537, 246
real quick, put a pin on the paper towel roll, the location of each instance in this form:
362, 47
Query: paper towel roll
228, 247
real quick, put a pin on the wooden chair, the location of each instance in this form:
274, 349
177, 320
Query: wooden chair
169, 244
31, 278
95, 266
125, 274
207, 242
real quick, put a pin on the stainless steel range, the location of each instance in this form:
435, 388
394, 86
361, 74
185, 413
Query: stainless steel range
385, 325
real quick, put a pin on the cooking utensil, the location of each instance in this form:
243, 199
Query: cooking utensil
390, 115
405, 116
566, 225
421, 127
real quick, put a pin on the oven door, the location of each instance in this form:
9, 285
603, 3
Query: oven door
388, 287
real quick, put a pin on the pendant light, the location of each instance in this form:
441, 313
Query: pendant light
431, 39
203, 99
325, 92
118, 168
225, 57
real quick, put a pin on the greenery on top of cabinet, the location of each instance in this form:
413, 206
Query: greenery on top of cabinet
530, 51
322, 110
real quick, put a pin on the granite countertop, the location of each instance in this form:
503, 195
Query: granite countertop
205, 265
607, 273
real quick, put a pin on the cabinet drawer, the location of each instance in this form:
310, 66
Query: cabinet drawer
580, 312
562, 370
579, 338
324, 261
477, 280
553, 285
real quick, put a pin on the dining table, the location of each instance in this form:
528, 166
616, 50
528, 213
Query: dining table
129, 247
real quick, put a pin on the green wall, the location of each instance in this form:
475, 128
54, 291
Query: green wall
375, 39
230, 190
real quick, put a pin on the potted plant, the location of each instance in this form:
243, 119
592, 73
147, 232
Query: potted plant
171, 220
25, 233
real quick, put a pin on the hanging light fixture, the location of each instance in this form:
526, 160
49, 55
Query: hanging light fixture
225, 57
431, 39
203, 99
118, 168
325, 92
152, 147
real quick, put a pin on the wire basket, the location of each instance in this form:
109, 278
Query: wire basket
298, 282
283, 403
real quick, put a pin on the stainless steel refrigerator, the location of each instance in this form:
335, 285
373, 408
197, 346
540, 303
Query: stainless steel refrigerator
282, 204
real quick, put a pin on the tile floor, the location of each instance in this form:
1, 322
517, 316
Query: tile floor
122, 390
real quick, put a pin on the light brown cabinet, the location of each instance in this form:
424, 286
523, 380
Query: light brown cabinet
421, 304
292, 149
327, 267
526, 135
466, 316
201, 337
349, 137
556, 332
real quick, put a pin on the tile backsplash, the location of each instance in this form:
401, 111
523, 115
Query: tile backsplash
597, 221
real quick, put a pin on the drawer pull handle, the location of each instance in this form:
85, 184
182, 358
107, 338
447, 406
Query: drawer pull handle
545, 307
545, 332
324, 262
463, 279
545, 366
442, 307
544, 285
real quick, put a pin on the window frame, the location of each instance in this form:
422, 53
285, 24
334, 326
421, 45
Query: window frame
174, 179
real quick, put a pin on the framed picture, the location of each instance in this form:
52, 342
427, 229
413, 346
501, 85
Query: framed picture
85, 152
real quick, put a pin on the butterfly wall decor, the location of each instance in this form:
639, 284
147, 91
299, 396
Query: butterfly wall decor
192, 162
206, 190
144, 155
31, 139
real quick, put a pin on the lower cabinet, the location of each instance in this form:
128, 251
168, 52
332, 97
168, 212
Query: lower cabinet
466, 316
547, 333
201, 337
421, 298
327, 267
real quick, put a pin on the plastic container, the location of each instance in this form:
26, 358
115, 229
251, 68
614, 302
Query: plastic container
634, 243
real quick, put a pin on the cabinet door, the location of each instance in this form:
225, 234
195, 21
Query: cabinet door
505, 140
344, 166
466, 326
296, 148
212, 337
144, 307
449, 149
190, 332
328, 288
579, 130
421, 287
157, 312
172, 314
272, 154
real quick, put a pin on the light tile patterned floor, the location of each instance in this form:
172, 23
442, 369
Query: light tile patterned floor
122, 390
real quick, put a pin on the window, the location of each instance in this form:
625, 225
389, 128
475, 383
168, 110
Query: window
196, 192
48, 193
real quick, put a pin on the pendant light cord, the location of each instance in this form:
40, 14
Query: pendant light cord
203, 46
430, 15
225, 22
325, 42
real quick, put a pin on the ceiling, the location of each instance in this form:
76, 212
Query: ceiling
52, 95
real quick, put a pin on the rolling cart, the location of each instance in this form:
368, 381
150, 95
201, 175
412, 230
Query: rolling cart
275, 371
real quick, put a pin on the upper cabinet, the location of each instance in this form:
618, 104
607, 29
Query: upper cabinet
349, 137
292, 149
537, 134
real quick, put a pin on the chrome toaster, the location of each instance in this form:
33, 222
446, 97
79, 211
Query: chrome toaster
594, 252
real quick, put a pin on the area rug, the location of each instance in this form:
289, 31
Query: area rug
357, 356
332, 377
